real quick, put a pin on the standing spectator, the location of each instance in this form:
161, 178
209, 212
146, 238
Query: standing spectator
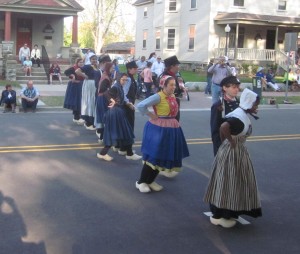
220, 70
232, 189
36, 56
148, 82
270, 80
27, 66
87, 56
91, 75
152, 57
8, 98
261, 74
166, 130
209, 77
74, 91
157, 69
116, 69
230, 88
30, 96
140, 79
118, 131
23, 53
55, 72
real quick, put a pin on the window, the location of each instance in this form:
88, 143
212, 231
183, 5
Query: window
171, 39
238, 3
145, 12
157, 39
172, 5
282, 5
193, 4
145, 33
192, 37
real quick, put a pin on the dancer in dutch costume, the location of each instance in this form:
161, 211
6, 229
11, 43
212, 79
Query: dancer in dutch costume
164, 145
232, 189
118, 130
74, 92
91, 75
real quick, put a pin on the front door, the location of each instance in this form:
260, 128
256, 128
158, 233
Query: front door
24, 33
270, 42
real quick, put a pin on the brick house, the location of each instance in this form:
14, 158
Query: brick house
37, 22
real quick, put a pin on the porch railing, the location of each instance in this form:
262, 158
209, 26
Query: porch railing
244, 54
46, 62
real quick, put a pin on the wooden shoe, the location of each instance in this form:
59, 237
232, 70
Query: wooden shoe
223, 222
155, 186
142, 187
105, 157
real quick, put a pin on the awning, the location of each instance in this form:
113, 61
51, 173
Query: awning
256, 19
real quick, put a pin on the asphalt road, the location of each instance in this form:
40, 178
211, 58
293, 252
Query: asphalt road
60, 199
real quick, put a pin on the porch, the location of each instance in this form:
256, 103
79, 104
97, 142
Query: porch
259, 56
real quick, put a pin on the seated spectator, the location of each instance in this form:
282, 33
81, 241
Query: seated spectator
36, 56
55, 72
260, 73
29, 96
270, 80
27, 66
23, 53
290, 78
8, 98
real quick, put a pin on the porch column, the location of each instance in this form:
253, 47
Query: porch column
75, 32
276, 38
7, 33
236, 41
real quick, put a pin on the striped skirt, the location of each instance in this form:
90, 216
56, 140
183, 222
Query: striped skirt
232, 189
88, 98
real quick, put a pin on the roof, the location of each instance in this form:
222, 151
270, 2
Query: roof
142, 2
35, 5
239, 17
119, 46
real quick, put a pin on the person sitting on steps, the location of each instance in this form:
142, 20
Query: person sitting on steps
55, 72
27, 66
8, 98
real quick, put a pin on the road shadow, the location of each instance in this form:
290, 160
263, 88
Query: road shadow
13, 229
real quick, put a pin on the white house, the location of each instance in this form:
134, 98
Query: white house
194, 30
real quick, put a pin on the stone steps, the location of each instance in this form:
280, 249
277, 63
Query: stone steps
38, 75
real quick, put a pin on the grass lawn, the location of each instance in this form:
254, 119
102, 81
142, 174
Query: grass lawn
280, 99
53, 101
15, 84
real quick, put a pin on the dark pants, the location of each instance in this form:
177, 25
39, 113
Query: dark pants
149, 88
29, 104
148, 174
36, 61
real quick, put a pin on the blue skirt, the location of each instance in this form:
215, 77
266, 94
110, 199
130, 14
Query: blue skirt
73, 96
101, 108
164, 145
117, 129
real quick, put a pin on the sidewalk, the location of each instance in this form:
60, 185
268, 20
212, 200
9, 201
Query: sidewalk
198, 100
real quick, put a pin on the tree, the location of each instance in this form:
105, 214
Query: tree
67, 37
103, 16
